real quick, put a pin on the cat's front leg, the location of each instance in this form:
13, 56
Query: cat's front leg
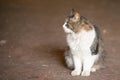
77, 65
87, 65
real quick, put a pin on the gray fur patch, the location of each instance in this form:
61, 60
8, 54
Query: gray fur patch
69, 60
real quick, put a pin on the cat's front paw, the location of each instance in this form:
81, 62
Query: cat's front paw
75, 73
85, 73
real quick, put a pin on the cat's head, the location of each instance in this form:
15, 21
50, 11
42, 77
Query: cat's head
75, 23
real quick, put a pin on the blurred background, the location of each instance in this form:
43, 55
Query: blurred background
32, 41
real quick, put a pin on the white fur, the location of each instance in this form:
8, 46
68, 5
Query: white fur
80, 44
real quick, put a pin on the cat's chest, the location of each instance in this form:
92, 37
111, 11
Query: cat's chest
80, 41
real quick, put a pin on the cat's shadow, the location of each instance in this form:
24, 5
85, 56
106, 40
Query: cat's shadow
51, 53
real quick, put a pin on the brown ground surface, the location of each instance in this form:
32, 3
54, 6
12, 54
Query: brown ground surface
32, 40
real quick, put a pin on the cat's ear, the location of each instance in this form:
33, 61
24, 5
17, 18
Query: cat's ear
75, 15
72, 12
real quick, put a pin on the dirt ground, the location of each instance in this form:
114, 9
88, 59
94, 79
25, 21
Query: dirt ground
32, 41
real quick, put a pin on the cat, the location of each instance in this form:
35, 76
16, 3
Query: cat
85, 53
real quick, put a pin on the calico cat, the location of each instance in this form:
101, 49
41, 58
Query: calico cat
85, 46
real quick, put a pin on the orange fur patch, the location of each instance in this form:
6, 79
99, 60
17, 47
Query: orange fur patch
87, 28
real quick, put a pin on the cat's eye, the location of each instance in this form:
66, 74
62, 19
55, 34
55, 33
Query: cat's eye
69, 26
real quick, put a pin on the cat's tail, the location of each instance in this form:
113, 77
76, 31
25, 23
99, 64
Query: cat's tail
97, 67
69, 59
